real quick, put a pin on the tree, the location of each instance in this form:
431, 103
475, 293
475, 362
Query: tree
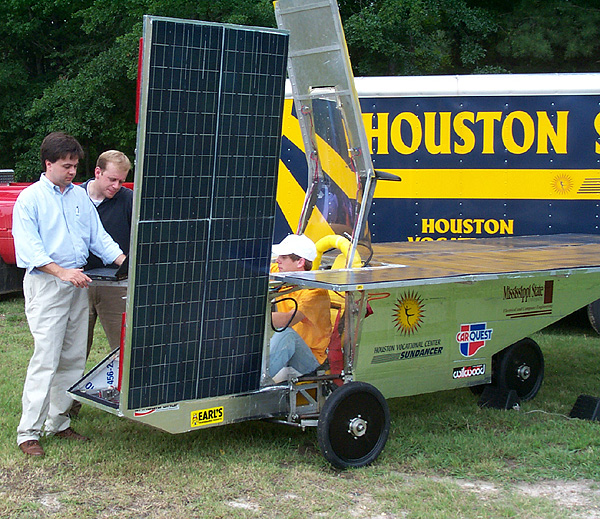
472, 36
36, 46
79, 75
549, 36
407, 37
72, 64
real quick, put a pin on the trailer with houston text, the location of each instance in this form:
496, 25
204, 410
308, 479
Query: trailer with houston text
480, 156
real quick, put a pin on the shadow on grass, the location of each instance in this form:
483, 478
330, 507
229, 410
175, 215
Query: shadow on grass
573, 324
11, 296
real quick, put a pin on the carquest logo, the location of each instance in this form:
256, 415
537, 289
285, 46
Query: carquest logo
472, 337
468, 371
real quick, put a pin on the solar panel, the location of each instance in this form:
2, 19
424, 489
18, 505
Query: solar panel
207, 155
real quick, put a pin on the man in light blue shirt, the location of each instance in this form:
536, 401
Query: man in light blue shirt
55, 225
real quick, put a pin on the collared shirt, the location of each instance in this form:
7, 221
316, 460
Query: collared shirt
115, 215
50, 226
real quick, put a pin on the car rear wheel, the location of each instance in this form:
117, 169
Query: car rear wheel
522, 368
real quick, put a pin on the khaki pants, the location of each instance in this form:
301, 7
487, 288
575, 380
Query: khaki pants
57, 315
108, 304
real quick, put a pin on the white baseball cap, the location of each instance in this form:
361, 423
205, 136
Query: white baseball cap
297, 244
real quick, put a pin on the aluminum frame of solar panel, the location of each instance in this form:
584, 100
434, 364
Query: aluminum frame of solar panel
207, 156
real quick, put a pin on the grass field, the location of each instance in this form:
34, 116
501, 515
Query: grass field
445, 458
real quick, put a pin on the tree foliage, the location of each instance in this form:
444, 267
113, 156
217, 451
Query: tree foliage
72, 64
406, 37
550, 36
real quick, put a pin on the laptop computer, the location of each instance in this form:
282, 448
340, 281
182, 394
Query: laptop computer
109, 273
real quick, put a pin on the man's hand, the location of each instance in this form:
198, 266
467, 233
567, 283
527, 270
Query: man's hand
74, 276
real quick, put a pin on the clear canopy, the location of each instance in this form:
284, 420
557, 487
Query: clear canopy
328, 110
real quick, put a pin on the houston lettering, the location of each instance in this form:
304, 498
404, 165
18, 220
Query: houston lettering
466, 226
597, 127
446, 133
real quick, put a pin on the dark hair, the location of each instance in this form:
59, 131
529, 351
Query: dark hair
59, 145
307, 263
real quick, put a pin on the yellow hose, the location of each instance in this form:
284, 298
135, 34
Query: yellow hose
333, 241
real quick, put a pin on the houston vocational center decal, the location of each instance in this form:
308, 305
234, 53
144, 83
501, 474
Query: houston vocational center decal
408, 316
472, 337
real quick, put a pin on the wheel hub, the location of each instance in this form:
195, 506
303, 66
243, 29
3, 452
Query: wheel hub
524, 372
357, 427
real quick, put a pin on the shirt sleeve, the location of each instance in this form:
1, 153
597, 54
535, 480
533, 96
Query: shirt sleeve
29, 248
314, 304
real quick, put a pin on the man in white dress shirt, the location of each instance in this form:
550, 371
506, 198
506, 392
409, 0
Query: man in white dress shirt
55, 225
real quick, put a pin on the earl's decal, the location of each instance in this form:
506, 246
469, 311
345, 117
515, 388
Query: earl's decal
207, 416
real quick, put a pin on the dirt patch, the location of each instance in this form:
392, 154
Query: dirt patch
244, 504
25, 488
363, 506
583, 495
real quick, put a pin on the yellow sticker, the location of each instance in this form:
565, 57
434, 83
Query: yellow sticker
409, 313
207, 416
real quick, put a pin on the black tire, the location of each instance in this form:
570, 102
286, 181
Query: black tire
522, 368
11, 278
354, 425
593, 311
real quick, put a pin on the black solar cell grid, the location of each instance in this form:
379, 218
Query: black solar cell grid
211, 139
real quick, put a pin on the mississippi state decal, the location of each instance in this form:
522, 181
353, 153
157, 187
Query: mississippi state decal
472, 337
409, 313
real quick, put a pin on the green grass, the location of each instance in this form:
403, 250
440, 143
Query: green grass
445, 458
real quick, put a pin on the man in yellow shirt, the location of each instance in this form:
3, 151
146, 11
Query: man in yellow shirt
301, 347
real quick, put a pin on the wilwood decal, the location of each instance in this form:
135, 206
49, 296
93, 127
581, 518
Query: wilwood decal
468, 371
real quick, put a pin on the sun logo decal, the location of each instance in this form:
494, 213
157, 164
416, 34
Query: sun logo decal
409, 313
562, 184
